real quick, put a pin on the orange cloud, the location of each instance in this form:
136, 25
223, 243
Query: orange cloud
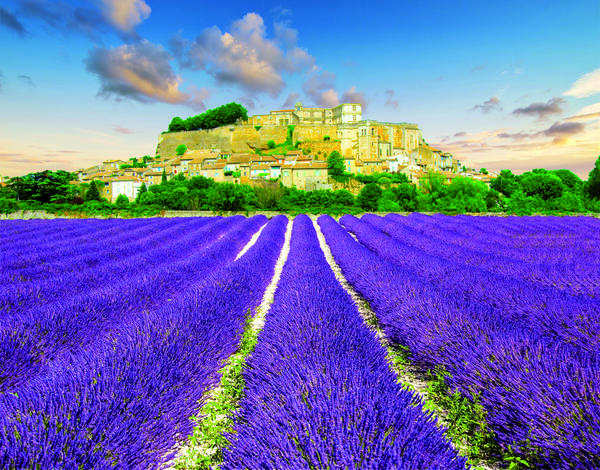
140, 71
125, 15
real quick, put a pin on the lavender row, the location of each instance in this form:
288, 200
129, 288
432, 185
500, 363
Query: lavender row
558, 240
546, 235
102, 267
43, 253
31, 342
54, 231
127, 402
74, 259
27, 231
460, 230
541, 397
544, 310
318, 381
575, 278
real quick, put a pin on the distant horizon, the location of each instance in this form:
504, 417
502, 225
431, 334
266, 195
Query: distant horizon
513, 86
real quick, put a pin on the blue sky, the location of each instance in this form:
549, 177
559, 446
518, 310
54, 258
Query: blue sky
504, 85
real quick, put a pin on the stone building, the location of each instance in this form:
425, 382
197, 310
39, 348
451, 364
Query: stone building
340, 114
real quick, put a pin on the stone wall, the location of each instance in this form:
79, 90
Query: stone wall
225, 138
322, 149
351, 185
236, 138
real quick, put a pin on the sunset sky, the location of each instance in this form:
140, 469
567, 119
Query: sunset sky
511, 85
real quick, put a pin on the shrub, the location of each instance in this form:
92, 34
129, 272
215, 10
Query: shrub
181, 149
257, 128
122, 201
271, 144
326, 138
568, 202
8, 206
368, 197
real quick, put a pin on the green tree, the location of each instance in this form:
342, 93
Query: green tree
493, 201
545, 185
163, 179
181, 149
433, 184
483, 171
226, 114
568, 202
343, 197
506, 183
230, 197
148, 199
384, 181
271, 144
387, 202
335, 164
521, 204
8, 206
290, 134
143, 189
464, 195
177, 125
568, 178
44, 186
406, 196
592, 185
92, 194
368, 197
122, 201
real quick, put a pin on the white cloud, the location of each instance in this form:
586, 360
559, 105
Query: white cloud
586, 85
245, 56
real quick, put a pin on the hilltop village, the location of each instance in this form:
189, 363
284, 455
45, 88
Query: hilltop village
290, 146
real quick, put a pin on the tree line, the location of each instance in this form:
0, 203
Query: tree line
221, 116
535, 191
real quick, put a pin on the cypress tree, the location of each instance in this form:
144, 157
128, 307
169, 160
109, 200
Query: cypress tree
143, 189
164, 177
592, 185
92, 194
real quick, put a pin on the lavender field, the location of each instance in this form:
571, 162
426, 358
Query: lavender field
115, 333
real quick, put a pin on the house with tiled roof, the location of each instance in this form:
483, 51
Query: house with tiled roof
126, 185
153, 177
215, 171
112, 164
302, 174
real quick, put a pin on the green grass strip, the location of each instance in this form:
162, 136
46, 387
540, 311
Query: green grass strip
204, 449
463, 417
